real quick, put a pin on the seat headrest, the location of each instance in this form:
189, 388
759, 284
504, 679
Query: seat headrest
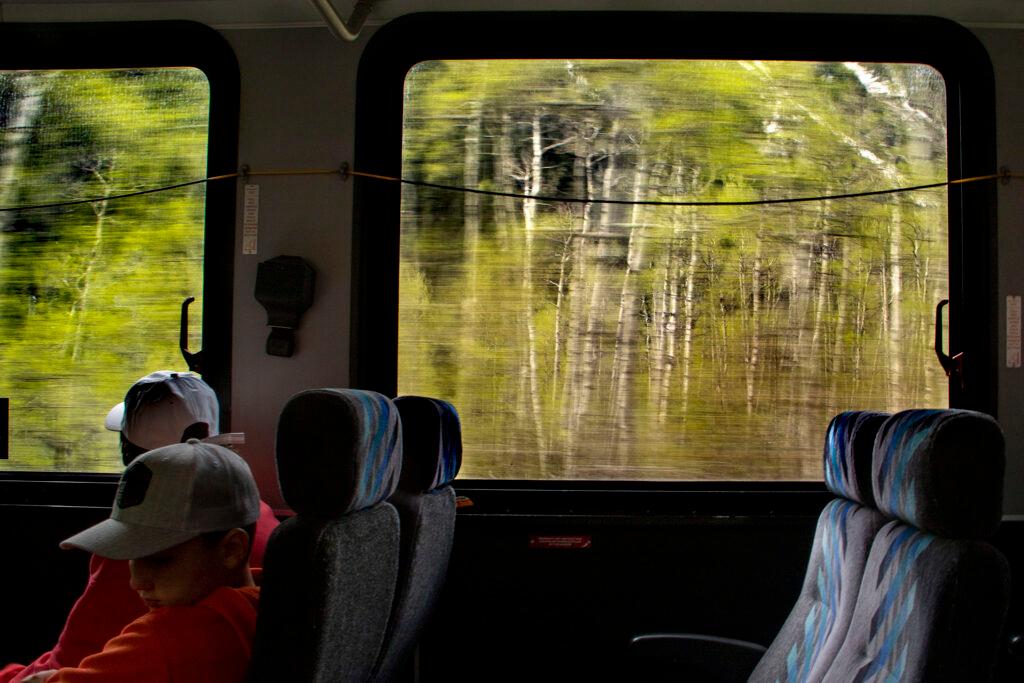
941, 471
432, 438
849, 442
338, 450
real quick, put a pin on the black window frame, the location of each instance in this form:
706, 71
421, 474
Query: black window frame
150, 44
943, 44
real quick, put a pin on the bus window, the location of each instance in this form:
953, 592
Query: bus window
91, 292
644, 341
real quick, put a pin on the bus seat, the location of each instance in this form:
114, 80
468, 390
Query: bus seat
816, 626
431, 457
934, 594
330, 571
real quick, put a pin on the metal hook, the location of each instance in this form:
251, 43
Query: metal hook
952, 365
193, 360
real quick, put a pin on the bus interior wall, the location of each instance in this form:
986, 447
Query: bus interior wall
621, 563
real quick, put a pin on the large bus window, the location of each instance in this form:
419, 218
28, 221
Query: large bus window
91, 292
622, 297
588, 340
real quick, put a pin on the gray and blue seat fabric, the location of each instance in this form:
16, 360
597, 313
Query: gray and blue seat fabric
330, 571
811, 636
817, 624
432, 455
933, 596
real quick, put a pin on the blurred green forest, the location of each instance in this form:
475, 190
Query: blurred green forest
619, 341
90, 294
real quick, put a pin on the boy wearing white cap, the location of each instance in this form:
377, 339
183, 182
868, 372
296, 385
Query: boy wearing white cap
159, 409
183, 517
162, 408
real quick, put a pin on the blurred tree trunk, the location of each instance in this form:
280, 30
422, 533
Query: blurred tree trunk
505, 171
894, 304
23, 101
532, 180
666, 319
80, 306
601, 250
755, 315
471, 208
626, 341
561, 287
689, 321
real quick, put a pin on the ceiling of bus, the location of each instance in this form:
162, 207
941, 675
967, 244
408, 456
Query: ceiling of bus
264, 13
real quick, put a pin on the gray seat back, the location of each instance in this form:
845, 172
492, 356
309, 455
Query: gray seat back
432, 455
330, 571
933, 597
814, 631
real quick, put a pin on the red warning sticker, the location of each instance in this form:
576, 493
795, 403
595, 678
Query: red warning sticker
560, 542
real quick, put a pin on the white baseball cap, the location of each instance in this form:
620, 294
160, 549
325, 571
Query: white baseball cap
171, 495
159, 408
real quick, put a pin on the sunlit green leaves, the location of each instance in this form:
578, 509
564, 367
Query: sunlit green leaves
602, 341
90, 294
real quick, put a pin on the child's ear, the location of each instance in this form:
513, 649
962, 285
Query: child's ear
234, 548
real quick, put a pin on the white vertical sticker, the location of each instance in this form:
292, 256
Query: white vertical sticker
1013, 331
251, 219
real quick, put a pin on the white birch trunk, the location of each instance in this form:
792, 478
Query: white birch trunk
823, 274
590, 370
625, 335
895, 314
26, 110
688, 320
471, 210
532, 189
755, 321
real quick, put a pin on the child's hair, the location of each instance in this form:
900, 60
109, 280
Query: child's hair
212, 538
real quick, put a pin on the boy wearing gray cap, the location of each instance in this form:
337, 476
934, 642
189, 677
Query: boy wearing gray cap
183, 517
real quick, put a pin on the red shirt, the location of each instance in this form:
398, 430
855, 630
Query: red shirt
209, 642
107, 605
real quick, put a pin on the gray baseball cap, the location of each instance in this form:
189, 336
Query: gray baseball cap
171, 495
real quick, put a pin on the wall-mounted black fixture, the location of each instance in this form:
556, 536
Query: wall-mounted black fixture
284, 285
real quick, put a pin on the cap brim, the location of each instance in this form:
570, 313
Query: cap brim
116, 540
115, 418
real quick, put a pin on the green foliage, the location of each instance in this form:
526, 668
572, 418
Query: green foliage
91, 293
603, 341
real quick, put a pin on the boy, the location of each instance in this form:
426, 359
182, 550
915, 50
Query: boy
180, 517
160, 409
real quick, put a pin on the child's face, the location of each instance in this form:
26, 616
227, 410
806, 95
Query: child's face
182, 575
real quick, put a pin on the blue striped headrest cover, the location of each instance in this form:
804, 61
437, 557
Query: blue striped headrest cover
848, 444
941, 470
432, 437
338, 450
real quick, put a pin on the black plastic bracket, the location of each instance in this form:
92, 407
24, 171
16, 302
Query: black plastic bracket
284, 287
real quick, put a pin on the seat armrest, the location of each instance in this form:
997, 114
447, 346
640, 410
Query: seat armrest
694, 657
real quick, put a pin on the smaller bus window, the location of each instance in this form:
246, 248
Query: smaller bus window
90, 293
